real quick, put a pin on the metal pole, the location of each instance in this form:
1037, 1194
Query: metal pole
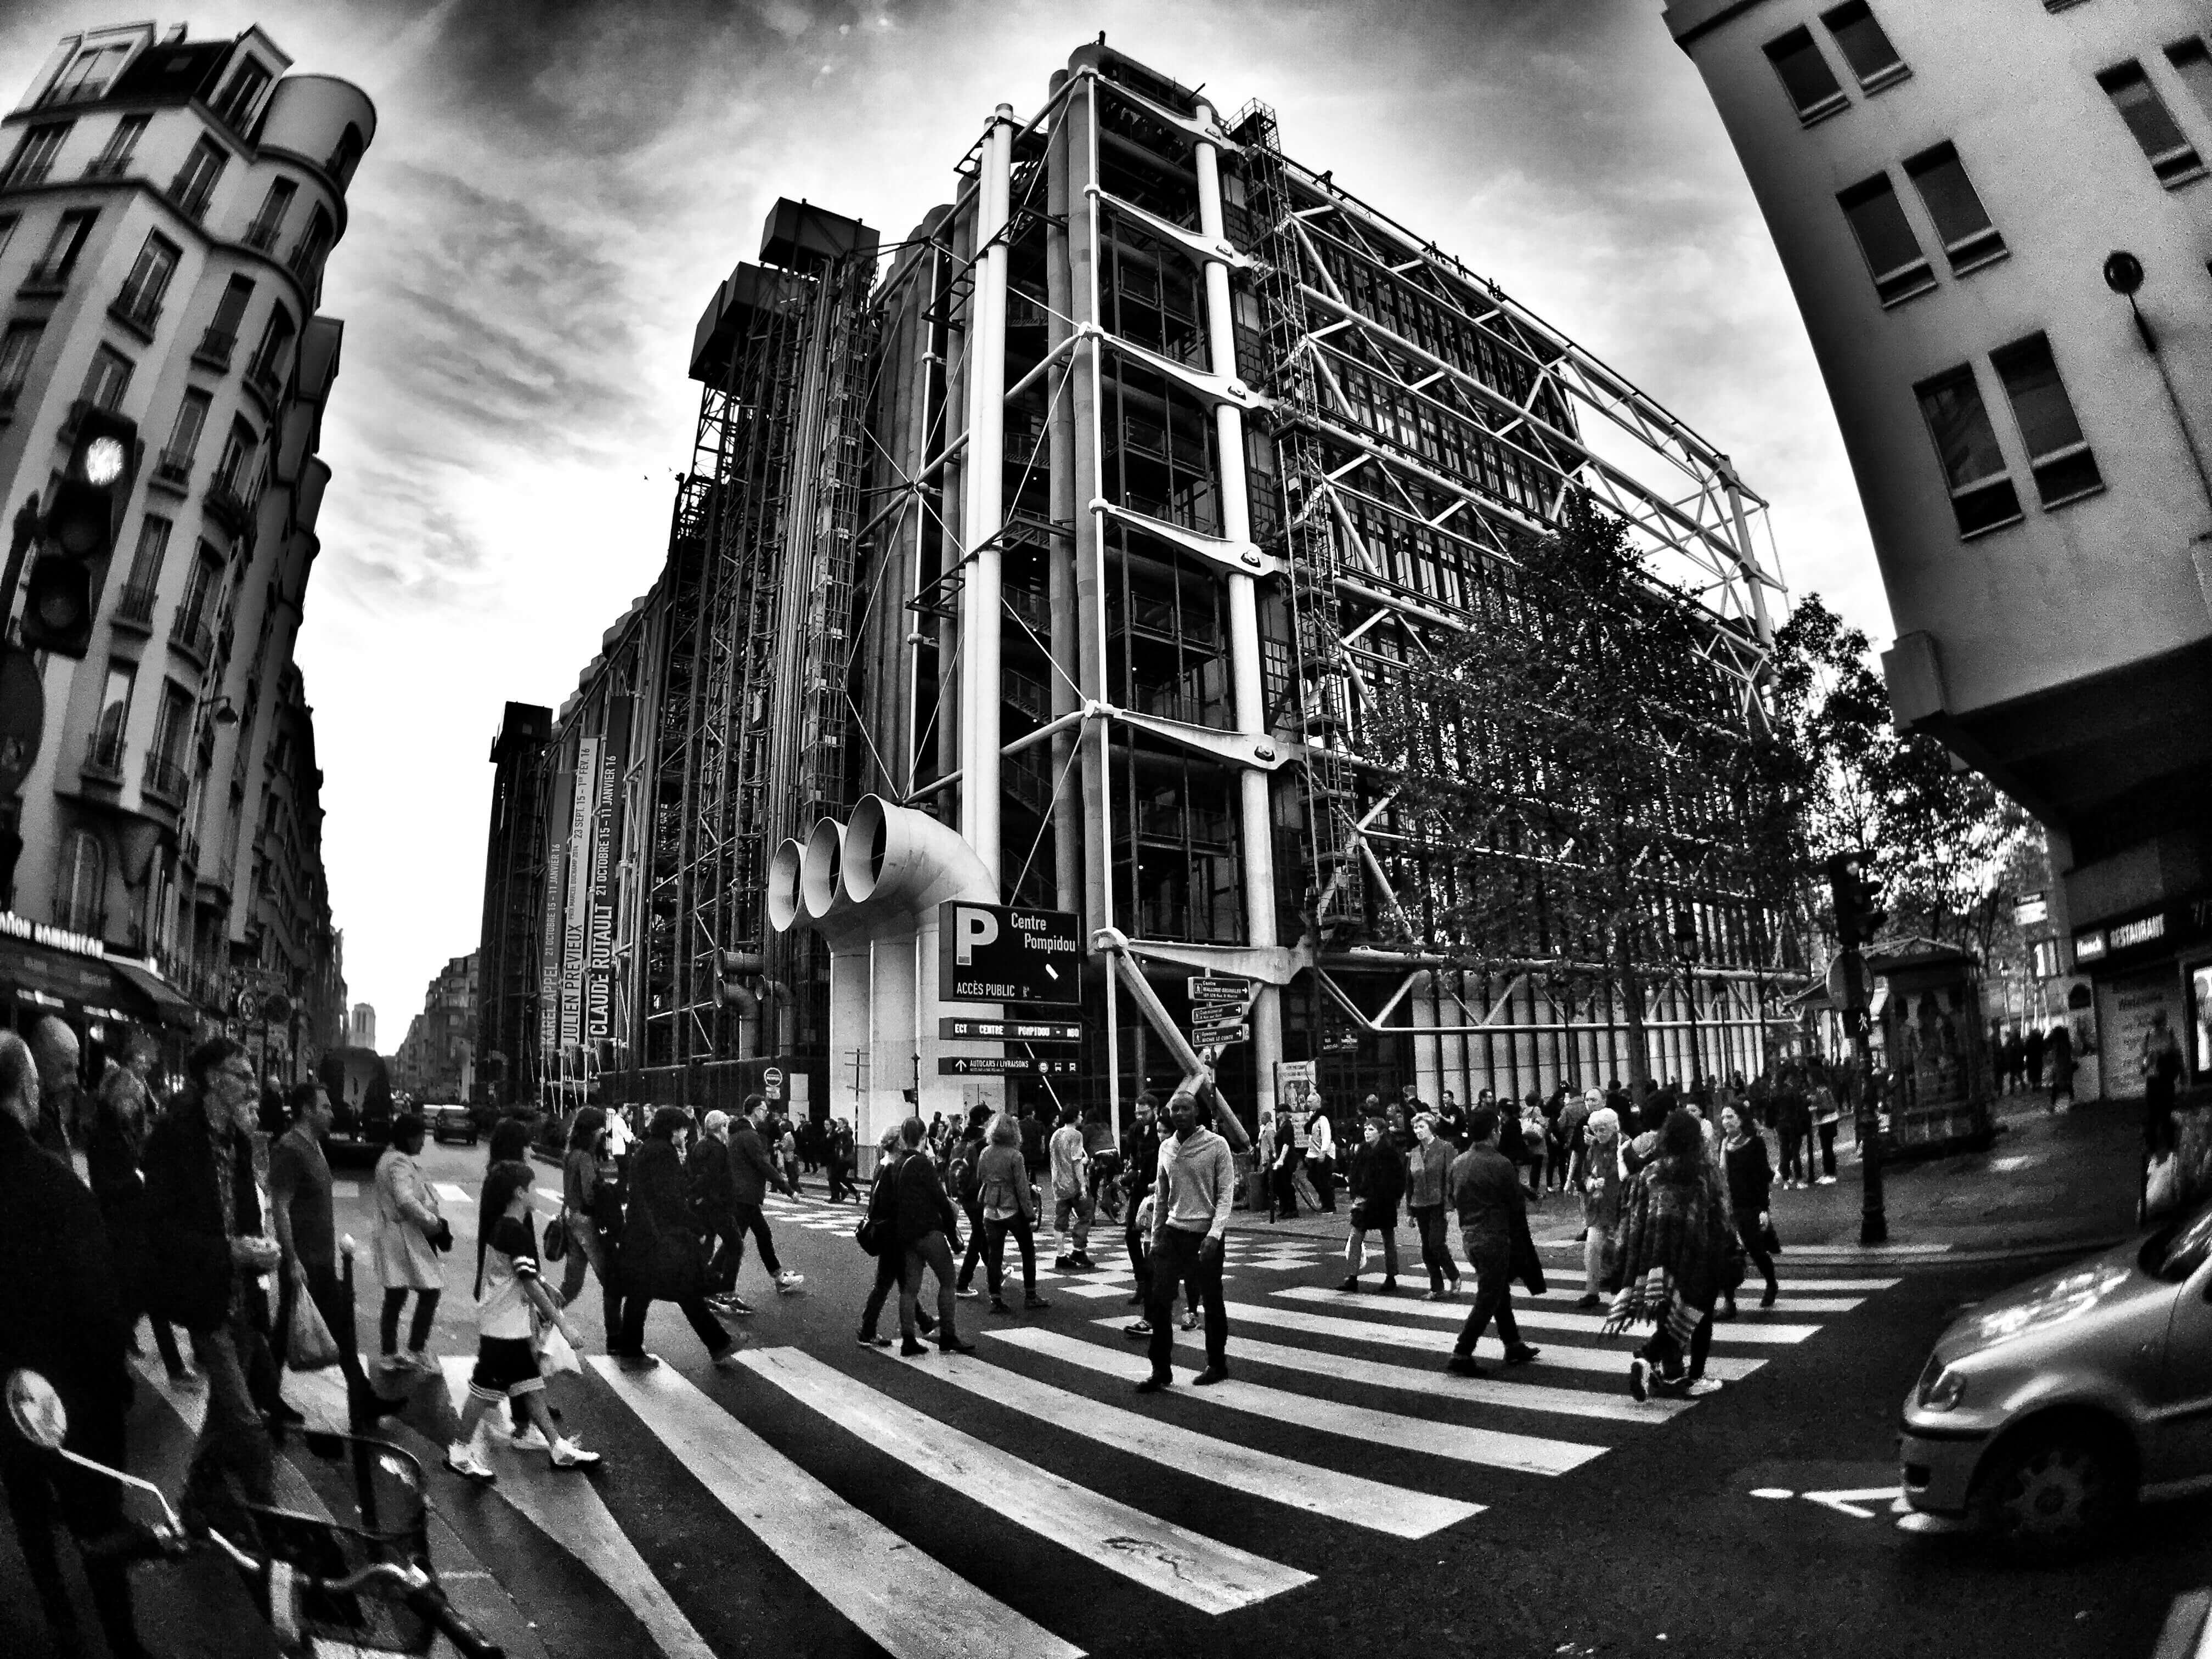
2180, 418
983, 518
1873, 1222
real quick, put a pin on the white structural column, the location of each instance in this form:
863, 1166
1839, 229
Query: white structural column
1256, 824
983, 514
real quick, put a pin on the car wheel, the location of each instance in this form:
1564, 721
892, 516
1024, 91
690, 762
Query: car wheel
2048, 1495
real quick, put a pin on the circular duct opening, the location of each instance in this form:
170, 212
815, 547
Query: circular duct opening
817, 881
783, 872
868, 842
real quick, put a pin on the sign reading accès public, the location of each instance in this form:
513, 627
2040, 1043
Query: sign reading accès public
998, 953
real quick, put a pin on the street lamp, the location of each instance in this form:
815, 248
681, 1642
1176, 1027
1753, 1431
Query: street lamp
2123, 275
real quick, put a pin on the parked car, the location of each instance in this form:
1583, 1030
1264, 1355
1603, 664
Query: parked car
2047, 1411
450, 1122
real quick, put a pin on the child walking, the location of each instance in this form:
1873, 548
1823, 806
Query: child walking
508, 1296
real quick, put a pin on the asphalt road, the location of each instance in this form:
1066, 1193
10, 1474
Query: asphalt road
830, 1500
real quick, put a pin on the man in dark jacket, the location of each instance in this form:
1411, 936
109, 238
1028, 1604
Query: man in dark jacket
752, 1175
1378, 1183
713, 1200
661, 1260
61, 1315
1140, 1167
302, 1220
203, 1222
1486, 1192
54, 1050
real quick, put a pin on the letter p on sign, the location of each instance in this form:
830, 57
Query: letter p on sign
972, 928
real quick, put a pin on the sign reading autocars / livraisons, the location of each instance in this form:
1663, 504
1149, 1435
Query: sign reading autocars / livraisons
999, 953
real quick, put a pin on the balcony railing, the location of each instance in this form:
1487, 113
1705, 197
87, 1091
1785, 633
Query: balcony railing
191, 195
78, 409
261, 234
215, 349
261, 376
32, 170
9, 395
225, 502
134, 607
174, 468
164, 780
304, 261
107, 166
103, 757
137, 306
51, 277
188, 634
84, 92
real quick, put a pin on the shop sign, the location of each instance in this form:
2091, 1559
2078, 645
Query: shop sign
2131, 933
2089, 946
2031, 909
54, 939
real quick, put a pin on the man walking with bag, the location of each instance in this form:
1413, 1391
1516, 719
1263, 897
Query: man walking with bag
306, 1232
1486, 1191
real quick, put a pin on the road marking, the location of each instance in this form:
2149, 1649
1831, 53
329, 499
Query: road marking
1786, 1303
1181, 1565
1492, 1448
1558, 1356
908, 1603
1772, 1492
1348, 1497
450, 1192
1442, 1384
1848, 1502
1537, 1318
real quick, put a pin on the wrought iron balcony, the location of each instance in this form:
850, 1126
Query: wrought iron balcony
174, 467
188, 634
51, 277
164, 780
261, 234
107, 166
134, 607
191, 195
139, 307
215, 349
103, 757
224, 501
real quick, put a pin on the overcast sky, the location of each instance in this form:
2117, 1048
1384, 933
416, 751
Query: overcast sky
553, 191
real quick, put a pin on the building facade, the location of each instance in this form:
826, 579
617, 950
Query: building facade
1947, 186
509, 958
1083, 528
167, 206
436, 1062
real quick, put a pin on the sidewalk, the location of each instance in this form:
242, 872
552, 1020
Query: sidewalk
2049, 1186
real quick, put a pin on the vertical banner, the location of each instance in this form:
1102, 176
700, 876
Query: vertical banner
606, 831
579, 889
548, 956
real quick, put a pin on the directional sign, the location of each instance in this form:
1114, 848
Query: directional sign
1219, 1037
1003, 1065
1203, 990
996, 953
1010, 1030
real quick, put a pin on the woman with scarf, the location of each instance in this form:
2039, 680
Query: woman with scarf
1675, 1244
1597, 1173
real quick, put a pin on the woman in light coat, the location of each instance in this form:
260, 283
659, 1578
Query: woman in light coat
409, 1233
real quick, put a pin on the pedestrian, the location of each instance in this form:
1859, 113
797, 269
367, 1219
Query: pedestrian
1006, 1205
1320, 1158
1140, 1167
752, 1173
1555, 1139
661, 1258
1599, 1175
204, 1224
2062, 1068
1378, 1183
1192, 1197
591, 1213
1263, 1167
1428, 1184
115, 1148
838, 1159
1674, 1246
1794, 1121
62, 1315
1070, 1165
54, 1050
707, 1178
2012, 1062
2034, 1049
511, 1307
926, 1230
787, 1150
1283, 1172
1574, 1122
302, 1219
1826, 1115
881, 1208
409, 1233
1451, 1122
1486, 1192
2159, 1063
1098, 1145
963, 1183
1750, 1182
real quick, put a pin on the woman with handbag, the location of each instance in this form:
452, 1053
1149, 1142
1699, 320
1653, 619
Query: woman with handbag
591, 1216
1378, 1183
409, 1233
1675, 1245
1428, 1184
1750, 1182
874, 1235
661, 1259
1007, 1204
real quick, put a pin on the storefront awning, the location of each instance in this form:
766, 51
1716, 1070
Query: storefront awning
169, 1007
40, 979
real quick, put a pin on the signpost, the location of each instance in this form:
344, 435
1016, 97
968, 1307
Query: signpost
1217, 1010
772, 1083
1003, 1065
1001, 953
952, 1029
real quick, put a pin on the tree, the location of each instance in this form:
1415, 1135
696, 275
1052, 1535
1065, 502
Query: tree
1578, 778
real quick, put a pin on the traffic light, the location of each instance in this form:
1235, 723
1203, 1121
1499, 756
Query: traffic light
1858, 896
79, 531
729, 991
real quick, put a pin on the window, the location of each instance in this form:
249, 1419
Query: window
307, 259
153, 547
175, 463
273, 356
2172, 156
347, 156
1969, 238
2194, 65
238, 452
35, 155
81, 885
7, 224
269, 217
68, 241
217, 344
122, 144
1806, 76
149, 281
16, 350
238, 100
171, 725
115, 703
200, 587
1892, 252
1865, 47
88, 74
107, 380
2064, 469
195, 181
1982, 496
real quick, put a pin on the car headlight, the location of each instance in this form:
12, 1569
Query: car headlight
1942, 1388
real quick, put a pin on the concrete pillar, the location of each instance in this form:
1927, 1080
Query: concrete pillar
1059, 556
984, 513
1255, 819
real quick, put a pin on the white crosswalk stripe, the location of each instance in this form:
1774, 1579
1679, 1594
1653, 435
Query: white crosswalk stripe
1346, 1498
1189, 1568
1589, 1324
